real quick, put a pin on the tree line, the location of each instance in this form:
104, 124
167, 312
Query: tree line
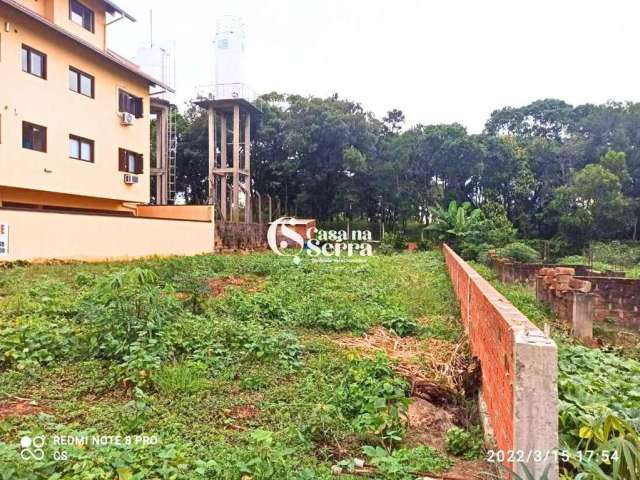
555, 169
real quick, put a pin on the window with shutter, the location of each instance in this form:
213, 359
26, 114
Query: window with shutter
122, 160
130, 162
139, 164
130, 104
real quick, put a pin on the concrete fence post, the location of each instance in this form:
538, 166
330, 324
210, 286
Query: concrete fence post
582, 315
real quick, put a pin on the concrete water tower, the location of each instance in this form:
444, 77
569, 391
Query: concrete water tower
231, 111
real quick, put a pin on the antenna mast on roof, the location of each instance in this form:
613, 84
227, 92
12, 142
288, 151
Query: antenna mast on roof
151, 26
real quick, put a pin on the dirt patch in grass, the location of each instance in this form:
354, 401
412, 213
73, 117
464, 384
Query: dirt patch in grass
239, 416
219, 286
428, 424
473, 470
242, 412
19, 408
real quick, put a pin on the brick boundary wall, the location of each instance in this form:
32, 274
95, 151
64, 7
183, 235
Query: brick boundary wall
519, 371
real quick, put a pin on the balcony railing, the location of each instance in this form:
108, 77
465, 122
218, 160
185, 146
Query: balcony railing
226, 91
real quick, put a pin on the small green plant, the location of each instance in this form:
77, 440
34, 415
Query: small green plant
186, 378
195, 288
467, 444
402, 326
405, 463
375, 400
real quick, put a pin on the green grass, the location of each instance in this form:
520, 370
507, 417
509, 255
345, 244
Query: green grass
246, 383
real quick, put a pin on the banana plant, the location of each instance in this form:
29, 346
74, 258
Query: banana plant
456, 222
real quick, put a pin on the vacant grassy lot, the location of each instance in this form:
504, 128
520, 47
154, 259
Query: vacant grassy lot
233, 367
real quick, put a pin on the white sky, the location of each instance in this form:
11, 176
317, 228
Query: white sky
439, 61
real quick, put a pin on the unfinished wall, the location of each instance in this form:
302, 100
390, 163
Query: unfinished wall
35, 235
568, 297
243, 235
519, 369
525, 273
616, 299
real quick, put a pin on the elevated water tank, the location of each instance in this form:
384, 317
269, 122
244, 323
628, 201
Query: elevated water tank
230, 58
156, 62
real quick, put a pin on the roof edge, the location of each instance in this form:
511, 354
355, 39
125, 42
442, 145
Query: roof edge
112, 7
105, 54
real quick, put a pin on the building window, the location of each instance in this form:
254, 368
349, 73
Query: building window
34, 62
129, 103
81, 82
81, 15
129, 162
34, 137
81, 148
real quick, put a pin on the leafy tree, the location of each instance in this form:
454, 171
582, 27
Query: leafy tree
593, 206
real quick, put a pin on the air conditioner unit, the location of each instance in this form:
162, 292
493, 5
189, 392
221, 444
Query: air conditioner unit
128, 119
130, 179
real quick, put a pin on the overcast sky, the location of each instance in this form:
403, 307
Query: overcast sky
438, 61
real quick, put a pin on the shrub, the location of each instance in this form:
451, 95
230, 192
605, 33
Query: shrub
34, 341
374, 399
126, 313
519, 252
467, 444
425, 245
394, 240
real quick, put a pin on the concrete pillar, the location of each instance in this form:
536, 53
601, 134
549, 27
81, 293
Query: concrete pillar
212, 155
582, 315
247, 166
224, 164
541, 291
259, 207
236, 163
535, 408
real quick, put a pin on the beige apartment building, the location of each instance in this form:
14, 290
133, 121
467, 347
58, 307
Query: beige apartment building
75, 136
74, 116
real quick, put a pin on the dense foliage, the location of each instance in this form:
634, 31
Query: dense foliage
555, 169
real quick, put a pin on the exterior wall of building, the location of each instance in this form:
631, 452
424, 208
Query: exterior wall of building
519, 369
41, 7
57, 11
36, 198
50, 103
35, 235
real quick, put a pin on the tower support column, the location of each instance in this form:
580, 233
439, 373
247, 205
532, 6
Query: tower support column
247, 167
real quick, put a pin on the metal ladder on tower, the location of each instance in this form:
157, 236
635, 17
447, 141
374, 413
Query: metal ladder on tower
173, 151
